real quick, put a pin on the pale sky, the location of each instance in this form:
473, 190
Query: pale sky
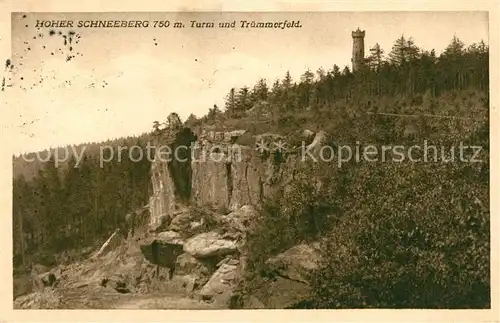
123, 79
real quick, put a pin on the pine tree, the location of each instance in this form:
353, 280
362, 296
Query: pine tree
412, 51
453, 56
455, 48
307, 77
398, 56
276, 98
287, 81
375, 59
230, 102
260, 91
305, 88
336, 70
243, 100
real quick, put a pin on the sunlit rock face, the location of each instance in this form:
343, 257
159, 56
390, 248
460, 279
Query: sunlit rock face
170, 171
225, 169
229, 175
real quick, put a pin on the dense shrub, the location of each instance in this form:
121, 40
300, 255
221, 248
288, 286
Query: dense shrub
415, 236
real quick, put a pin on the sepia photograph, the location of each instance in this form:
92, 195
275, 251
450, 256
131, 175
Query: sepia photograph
250, 160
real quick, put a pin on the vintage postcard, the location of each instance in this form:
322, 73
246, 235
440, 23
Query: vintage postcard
206, 162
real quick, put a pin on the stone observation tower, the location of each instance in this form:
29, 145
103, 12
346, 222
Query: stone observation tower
358, 49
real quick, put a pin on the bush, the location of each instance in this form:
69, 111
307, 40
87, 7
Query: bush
416, 236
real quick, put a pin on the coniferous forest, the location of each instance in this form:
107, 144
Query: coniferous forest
68, 207
405, 94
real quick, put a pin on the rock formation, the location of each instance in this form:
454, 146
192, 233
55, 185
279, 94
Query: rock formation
207, 189
230, 171
171, 171
212, 168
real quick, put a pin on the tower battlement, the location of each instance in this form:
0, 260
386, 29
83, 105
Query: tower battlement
358, 34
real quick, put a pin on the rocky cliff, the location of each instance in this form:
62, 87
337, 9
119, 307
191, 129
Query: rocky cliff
206, 194
207, 189
222, 168
170, 175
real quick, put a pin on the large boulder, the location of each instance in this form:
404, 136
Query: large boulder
209, 244
296, 263
170, 237
285, 281
160, 252
220, 286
